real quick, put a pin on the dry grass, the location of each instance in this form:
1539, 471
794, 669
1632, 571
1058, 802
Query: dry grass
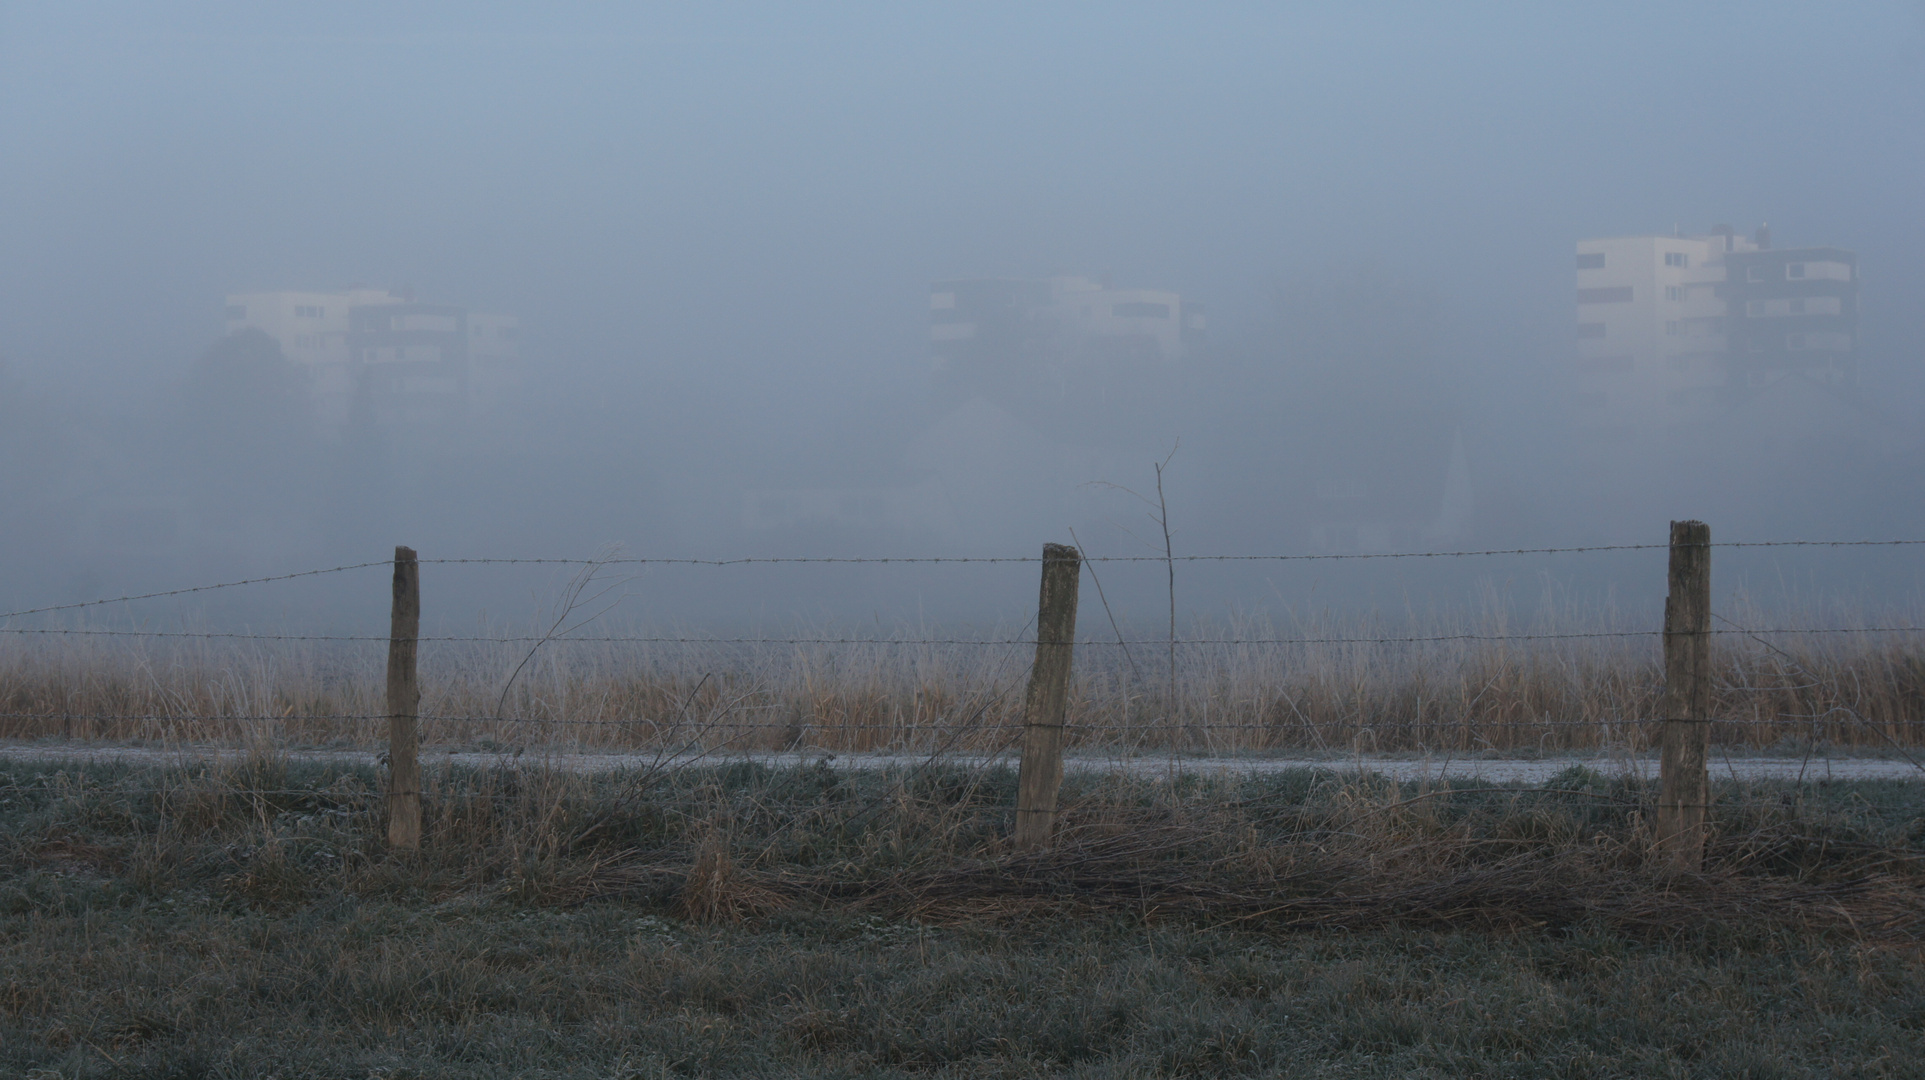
1316, 853
1250, 694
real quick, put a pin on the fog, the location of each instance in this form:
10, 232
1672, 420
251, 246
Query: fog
724, 231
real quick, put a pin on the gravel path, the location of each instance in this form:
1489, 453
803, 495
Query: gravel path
1535, 770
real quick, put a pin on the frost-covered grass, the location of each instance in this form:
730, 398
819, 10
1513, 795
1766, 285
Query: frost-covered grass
746, 921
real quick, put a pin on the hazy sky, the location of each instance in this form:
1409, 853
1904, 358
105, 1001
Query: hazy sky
767, 190
718, 222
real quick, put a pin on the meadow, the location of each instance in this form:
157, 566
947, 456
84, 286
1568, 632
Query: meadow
738, 920
702, 914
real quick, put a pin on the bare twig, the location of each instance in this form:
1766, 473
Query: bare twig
571, 598
1135, 673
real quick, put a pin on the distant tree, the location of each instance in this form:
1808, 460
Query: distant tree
245, 387
249, 421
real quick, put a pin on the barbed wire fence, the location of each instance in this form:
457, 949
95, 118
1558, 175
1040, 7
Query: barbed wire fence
1765, 687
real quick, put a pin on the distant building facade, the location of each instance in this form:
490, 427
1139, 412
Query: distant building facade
1670, 325
995, 322
381, 356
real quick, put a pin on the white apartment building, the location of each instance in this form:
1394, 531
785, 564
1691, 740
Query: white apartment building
1650, 326
1668, 326
373, 354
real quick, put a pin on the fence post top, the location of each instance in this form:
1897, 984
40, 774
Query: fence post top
403, 554
1061, 553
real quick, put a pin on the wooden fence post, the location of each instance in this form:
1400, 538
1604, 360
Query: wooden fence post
404, 700
1684, 778
1047, 702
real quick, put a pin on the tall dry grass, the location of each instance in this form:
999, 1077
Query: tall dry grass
1243, 685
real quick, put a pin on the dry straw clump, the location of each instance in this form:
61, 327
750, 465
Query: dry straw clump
1305, 850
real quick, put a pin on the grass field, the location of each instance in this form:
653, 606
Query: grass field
737, 920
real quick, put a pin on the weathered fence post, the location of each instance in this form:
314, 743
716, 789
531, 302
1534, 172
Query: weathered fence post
1047, 702
1684, 778
404, 699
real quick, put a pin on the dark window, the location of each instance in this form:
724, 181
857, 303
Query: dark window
1674, 258
1593, 260
1795, 270
1672, 292
1140, 309
1617, 294
1590, 329
1754, 273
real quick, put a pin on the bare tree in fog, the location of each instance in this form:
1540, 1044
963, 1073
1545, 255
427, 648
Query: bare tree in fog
248, 444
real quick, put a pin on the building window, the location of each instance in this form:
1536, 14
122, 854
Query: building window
1671, 328
1795, 270
1794, 341
1797, 305
1620, 294
1593, 260
1674, 258
1140, 310
1590, 329
1754, 273
1673, 292
1755, 308
235, 313
307, 311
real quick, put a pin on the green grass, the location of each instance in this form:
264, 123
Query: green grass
743, 921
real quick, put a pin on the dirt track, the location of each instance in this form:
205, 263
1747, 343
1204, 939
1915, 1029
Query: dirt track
1535, 770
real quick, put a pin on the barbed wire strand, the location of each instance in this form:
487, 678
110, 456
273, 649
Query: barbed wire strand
1320, 556
749, 560
192, 589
